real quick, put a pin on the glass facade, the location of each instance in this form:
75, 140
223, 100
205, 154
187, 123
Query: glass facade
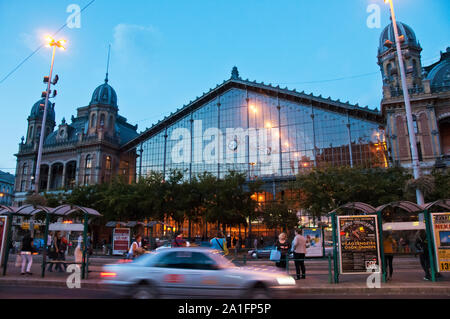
262, 136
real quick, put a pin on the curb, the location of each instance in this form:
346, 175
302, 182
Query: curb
414, 290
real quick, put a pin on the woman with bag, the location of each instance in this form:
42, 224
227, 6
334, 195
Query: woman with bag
220, 243
283, 246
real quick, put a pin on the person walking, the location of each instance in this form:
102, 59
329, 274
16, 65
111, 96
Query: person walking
284, 247
219, 243
422, 248
389, 246
27, 254
299, 249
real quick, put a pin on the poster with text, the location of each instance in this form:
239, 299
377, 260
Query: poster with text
3, 230
441, 231
358, 243
121, 241
314, 242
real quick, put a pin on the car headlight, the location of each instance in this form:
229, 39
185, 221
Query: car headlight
286, 281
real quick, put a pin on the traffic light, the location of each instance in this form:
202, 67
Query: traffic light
55, 80
44, 94
46, 79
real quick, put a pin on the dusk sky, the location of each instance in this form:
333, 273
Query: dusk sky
166, 53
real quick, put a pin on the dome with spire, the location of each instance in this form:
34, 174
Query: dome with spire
37, 112
403, 29
105, 95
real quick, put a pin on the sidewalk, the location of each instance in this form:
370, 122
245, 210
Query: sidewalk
407, 279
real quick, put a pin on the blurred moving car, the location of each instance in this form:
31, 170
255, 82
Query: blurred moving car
193, 273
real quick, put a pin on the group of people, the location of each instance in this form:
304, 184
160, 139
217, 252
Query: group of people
390, 246
297, 247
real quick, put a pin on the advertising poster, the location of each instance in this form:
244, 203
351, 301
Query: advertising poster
121, 241
3, 230
314, 242
441, 231
358, 242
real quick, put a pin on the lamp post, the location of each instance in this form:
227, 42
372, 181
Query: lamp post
409, 117
54, 44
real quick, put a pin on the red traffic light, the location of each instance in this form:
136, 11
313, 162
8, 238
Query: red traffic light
46, 79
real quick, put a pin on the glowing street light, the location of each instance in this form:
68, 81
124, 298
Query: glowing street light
55, 44
409, 117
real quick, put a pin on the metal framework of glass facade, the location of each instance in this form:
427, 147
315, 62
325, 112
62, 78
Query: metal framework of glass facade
263, 136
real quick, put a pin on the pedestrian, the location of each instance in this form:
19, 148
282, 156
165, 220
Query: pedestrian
389, 246
134, 248
219, 243
283, 246
234, 241
299, 249
61, 247
27, 254
229, 240
261, 242
255, 244
422, 249
178, 241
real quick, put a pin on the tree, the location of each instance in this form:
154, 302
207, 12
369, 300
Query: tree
323, 190
278, 214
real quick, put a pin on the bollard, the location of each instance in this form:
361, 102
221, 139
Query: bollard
245, 259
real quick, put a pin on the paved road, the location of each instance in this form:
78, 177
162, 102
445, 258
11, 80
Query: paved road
27, 292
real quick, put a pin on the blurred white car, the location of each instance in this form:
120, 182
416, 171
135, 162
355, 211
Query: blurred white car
192, 273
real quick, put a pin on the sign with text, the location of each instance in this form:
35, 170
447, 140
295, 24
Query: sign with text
3, 231
358, 243
314, 242
441, 231
121, 241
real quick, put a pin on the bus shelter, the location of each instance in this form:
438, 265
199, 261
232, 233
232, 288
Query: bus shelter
63, 211
358, 232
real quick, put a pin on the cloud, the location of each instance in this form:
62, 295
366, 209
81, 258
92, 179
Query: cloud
135, 42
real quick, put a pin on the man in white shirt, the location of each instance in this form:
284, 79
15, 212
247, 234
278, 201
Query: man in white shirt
299, 248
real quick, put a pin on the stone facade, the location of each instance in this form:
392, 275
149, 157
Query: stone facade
429, 89
84, 152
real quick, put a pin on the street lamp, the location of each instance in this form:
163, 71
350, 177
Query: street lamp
50, 43
409, 117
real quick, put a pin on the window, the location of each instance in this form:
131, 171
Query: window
186, 260
30, 135
93, 120
416, 125
108, 164
110, 123
24, 170
102, 120
87, 171
88, 162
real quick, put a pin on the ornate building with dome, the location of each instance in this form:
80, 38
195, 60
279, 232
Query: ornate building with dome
84, 152
429, 89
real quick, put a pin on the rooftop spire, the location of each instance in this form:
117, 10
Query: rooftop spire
107, 65
235, 73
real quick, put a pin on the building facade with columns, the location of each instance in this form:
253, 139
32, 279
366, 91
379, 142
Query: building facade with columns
429, 89
84, 152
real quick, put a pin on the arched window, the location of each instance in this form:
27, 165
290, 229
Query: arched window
416, 125
87, 171
108, 163
88, 161
110, 123
102, 120
93, 120
25, 170
38, 132
30, 134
